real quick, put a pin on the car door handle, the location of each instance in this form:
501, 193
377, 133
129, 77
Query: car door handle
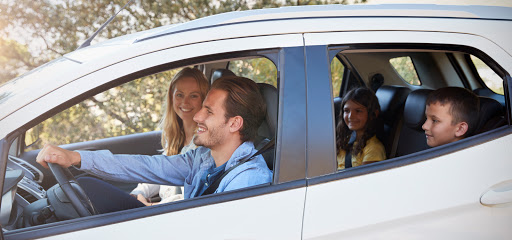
498, 195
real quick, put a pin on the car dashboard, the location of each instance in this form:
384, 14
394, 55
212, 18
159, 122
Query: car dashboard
21, 188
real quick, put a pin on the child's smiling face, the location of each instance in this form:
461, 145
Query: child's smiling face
355, 116
439, 128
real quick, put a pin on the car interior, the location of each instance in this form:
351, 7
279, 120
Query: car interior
402, 97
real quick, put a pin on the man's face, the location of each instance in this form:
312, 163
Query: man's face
438, 127
211, 121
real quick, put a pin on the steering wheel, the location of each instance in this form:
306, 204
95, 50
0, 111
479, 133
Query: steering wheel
75, 194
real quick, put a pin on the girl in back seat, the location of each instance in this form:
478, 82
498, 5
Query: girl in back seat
356, 140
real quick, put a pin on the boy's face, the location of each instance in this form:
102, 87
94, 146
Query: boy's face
438, 127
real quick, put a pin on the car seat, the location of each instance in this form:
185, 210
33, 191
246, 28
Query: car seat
267, 130
412, 137
491, 115
485, 92
221, 72
391, 101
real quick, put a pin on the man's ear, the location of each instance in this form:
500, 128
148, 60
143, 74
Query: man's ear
236, 123
461, 129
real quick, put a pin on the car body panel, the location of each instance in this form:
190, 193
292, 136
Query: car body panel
447, 188
256, 219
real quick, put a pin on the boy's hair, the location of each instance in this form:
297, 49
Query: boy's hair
464, 105
245, 100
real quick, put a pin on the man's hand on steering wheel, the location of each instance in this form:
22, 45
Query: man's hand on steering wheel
61, 159
53, 154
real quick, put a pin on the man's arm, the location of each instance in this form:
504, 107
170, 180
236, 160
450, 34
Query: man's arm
53, 154
159, 169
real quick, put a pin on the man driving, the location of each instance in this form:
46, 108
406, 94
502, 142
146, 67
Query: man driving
227, 125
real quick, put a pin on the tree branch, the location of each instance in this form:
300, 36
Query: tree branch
125, 121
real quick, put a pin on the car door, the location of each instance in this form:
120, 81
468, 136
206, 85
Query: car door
271, 211
456, 191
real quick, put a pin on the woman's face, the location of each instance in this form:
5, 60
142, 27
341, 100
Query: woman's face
355, 116
186, 98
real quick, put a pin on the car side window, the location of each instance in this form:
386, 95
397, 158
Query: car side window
400, 76
134, 107
337, 71
260, 70
488, 76
405, 68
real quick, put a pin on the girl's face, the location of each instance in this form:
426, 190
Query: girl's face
355, 116
186, 98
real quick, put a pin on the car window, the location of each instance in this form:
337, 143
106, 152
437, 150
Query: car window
260, 70
395, 77
337, 71
405, 68
134, 107
488, 76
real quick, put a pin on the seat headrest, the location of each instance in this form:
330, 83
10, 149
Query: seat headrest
270, 95
376, 81
218, 73
414, 109
489, 108
391, 100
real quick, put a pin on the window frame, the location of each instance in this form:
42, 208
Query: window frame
424, 155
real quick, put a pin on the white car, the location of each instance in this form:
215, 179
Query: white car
462, 190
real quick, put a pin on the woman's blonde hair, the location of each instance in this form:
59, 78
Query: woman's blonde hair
173, 135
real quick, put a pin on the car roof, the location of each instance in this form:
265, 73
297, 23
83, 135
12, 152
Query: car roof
326, 11
41, 81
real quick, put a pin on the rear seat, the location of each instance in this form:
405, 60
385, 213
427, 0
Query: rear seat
412, 137
391, 101
491, 115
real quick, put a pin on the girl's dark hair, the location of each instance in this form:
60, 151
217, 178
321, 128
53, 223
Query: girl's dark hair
367, 98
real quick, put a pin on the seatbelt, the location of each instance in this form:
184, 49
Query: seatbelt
348, 154
348, 157
211, 189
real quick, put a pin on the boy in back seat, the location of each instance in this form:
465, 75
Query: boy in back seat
452, 114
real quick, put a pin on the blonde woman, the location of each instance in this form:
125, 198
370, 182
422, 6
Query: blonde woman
187, 91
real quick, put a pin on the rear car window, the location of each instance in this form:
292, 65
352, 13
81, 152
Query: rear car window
405, 68
488, 76
260, 70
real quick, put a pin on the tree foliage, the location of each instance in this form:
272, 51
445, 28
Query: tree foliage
35, 32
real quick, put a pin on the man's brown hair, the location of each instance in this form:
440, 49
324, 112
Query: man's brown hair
464, 105
245, 100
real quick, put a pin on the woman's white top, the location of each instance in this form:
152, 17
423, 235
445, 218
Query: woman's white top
166, 193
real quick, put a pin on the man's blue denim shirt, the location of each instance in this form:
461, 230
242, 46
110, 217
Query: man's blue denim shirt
178, 170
